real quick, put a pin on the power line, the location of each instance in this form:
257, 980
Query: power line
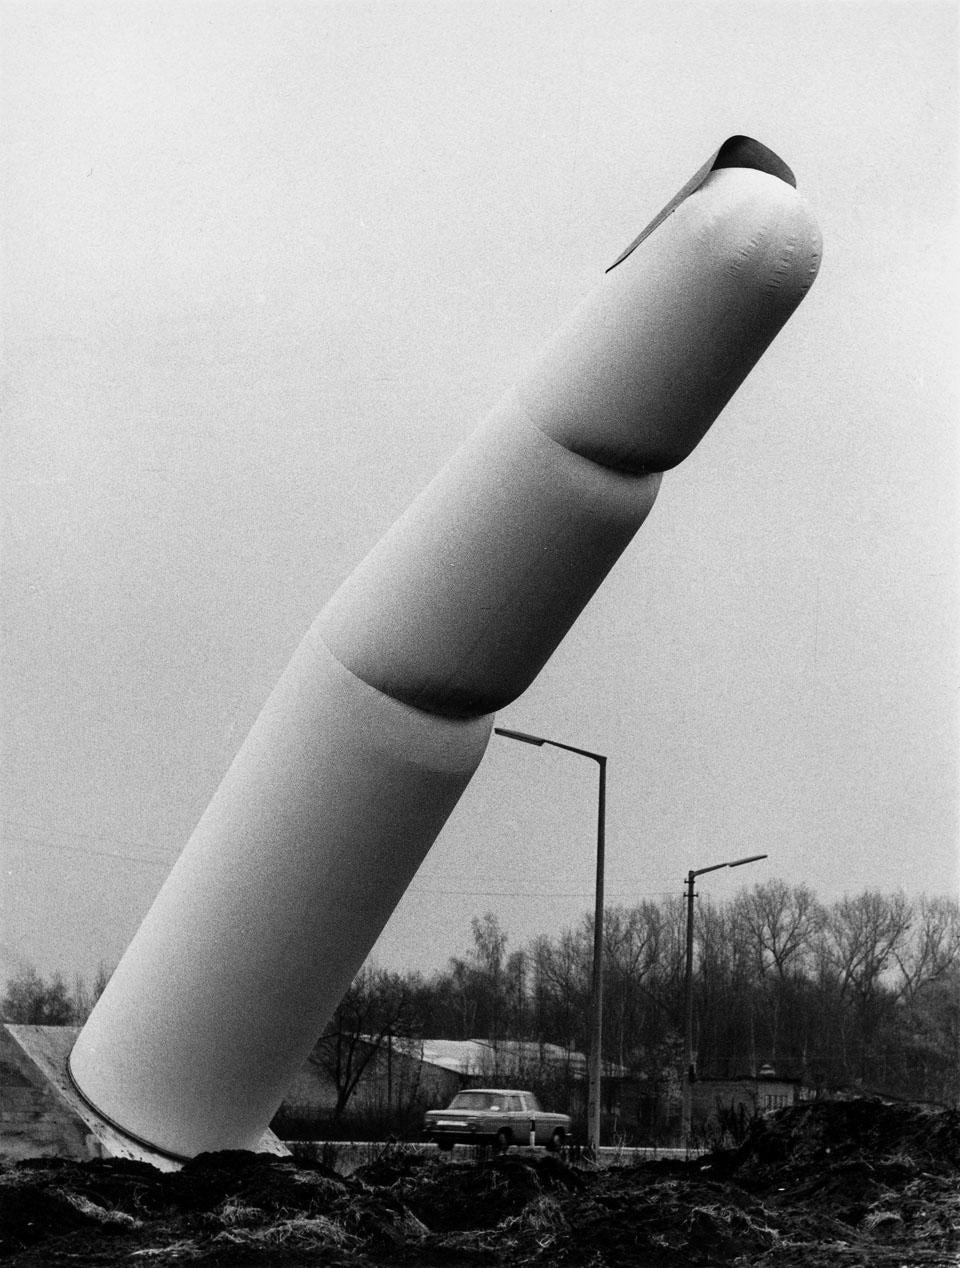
535, 893
158, 860
28, 843
504, 893
47, 829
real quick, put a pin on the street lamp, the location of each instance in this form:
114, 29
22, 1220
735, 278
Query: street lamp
596, 1027
688, 1072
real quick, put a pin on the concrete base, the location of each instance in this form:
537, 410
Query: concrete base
43, 1115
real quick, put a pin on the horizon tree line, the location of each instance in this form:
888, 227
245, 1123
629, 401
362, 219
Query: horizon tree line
861, 993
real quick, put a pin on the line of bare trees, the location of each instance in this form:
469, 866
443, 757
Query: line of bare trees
861, 993
33, 1000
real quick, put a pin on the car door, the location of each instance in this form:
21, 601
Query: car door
526, 1115
521, 1119
510, 1117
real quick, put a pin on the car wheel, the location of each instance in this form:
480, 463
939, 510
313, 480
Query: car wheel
557, 1139
504, 1138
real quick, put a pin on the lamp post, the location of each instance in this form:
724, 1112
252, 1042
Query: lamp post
596, 1023
688, 1071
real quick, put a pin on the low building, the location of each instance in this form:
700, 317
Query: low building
401, 1076
728, 1105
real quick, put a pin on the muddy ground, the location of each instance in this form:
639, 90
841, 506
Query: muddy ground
839, 1184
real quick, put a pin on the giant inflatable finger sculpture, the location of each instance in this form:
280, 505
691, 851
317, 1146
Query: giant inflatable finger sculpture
382, 716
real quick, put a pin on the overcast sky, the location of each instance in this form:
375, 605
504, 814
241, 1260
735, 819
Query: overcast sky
266, 265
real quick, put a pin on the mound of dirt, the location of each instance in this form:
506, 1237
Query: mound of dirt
859, 1183
828, 1133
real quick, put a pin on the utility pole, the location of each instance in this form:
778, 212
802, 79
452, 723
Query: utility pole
689, 1063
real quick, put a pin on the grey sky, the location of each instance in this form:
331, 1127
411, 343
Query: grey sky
267, 264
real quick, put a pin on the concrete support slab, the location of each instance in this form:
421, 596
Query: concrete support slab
43, 1115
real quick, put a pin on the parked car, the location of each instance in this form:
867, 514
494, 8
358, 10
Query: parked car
497, 1116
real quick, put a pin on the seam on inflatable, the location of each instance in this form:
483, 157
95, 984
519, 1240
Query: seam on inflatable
417, 713
624, 474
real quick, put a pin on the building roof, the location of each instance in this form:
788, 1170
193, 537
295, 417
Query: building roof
472, 1058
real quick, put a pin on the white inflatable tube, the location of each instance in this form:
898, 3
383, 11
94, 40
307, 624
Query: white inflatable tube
303, 853
378, 723
460, 605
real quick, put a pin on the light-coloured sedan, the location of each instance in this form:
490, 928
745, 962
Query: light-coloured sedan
498, 1116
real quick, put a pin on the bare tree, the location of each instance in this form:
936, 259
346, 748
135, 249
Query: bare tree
516, 972
84, 997
632, 940
375, 1010
780, 924
862, 937
32, 1001
934, 949
563, 984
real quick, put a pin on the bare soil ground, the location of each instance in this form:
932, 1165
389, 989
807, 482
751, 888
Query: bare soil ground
828, 1183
